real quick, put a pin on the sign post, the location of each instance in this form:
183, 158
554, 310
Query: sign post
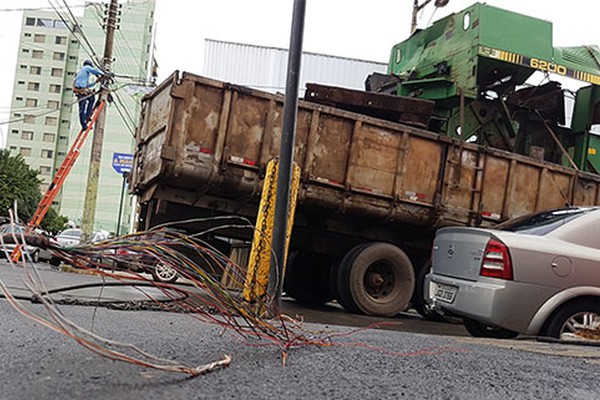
121, 163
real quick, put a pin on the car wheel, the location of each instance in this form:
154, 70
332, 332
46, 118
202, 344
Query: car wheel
572, 318
164, 273
307, 278
35, 257
376, 279
478, 329
418, 299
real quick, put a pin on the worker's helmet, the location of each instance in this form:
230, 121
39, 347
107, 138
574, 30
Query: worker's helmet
88, 62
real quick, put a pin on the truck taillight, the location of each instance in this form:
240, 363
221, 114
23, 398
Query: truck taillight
496, 261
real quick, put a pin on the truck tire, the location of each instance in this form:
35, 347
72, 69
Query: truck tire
307, 278
340, 290
376, 279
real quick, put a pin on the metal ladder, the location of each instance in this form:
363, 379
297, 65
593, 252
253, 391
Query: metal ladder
59, 178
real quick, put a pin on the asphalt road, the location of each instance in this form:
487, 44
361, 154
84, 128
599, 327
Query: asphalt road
366, 364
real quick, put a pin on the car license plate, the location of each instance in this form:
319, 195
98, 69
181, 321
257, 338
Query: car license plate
445, 293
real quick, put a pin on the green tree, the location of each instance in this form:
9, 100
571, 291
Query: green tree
20, 183
53, 222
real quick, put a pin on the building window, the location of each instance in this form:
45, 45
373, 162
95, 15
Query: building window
53, 104
30, 21
49, 137
58, 56
27, 135
25, 151
47, 153
51, 121
39, 38
19, 98
17, 114
60, 40
21, 82
44, 22
14, 131
59, 24
74, 41
23, 66
35, 70
58, 72
45, 170
72, 58
37, 54
25, 50
62, 137
55, 88
29, 119
33, 86
61, 153
27, 34
64, 121
31, 103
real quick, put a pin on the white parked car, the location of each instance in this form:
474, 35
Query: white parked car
72, 237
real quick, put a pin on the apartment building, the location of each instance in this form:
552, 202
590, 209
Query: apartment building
44, 114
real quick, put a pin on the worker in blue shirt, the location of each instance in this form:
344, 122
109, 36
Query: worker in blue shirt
82, 87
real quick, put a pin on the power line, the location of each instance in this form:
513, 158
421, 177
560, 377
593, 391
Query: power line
70, 105
90, 51
34, 8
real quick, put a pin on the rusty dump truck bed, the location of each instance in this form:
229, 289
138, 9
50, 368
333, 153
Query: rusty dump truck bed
205, 143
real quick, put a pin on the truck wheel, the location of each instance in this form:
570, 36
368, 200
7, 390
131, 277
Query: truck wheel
376, 279
307, 278
341, 290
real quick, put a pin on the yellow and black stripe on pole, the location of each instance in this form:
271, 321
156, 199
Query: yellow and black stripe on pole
257, 277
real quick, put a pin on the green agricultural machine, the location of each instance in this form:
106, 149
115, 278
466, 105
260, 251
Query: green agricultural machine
474, 65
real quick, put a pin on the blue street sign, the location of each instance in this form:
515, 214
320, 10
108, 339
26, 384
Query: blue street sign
122, 162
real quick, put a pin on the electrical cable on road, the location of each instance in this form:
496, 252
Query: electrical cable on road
190, 258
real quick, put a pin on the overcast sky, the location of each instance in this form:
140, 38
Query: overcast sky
349, 28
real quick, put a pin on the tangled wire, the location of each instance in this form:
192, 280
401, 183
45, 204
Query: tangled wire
191, 258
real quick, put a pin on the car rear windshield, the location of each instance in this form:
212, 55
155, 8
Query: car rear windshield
544, 222
75, 233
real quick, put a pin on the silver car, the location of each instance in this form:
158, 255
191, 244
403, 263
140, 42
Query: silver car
536, 275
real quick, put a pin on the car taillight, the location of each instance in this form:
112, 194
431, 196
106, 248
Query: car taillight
496, 261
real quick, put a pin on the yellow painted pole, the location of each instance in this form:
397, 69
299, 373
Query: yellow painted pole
257, 277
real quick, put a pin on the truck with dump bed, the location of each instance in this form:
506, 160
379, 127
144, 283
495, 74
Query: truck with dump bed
442, 140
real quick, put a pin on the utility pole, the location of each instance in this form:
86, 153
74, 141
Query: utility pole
286, 155
91, 193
